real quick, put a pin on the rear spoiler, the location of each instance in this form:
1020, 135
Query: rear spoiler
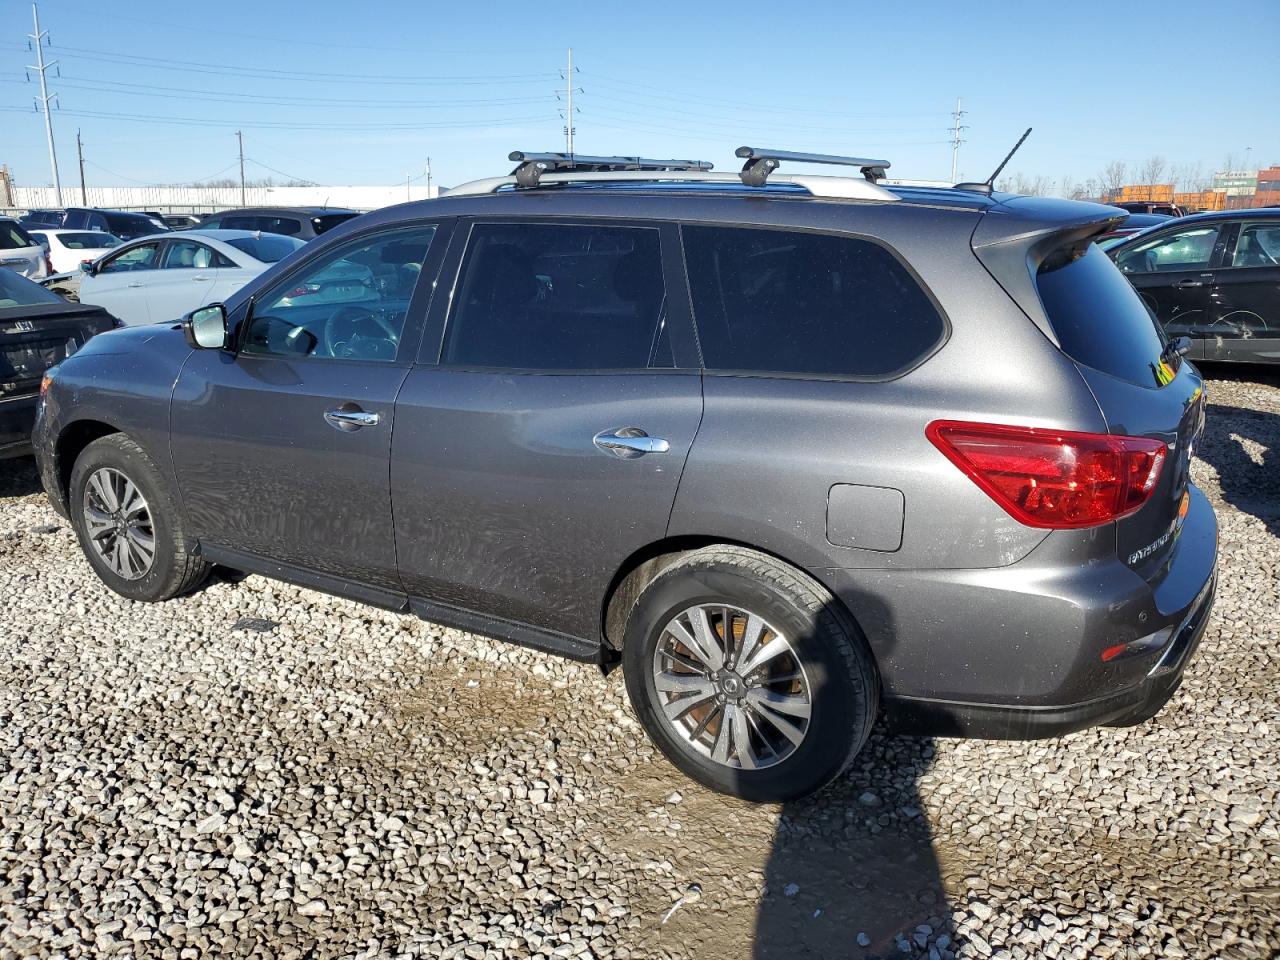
1015, 236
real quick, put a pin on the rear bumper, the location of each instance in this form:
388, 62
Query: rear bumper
1030, 649
1132, 705
17, 416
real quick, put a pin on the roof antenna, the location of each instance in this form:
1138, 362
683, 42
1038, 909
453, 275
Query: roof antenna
988, 185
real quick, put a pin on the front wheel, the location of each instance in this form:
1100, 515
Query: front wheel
127, 523
748, 674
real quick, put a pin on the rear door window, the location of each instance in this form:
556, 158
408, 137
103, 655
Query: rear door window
785, 302
1189, 248
13, 237
544, 296
1257, 246
1098, 317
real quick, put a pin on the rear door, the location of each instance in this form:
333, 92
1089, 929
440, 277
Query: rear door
120, 284
546, 445
1172, 272
19, 251
1244, 301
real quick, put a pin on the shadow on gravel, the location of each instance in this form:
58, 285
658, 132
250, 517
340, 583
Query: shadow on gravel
18, 477
852, 871
1240, 445
867, 879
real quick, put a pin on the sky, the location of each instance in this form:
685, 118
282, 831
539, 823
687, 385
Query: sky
363, 93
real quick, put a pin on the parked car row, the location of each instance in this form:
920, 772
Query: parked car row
306, 223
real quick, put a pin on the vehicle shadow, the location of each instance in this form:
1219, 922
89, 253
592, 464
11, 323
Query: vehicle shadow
18, 477
853, 871
1241, 446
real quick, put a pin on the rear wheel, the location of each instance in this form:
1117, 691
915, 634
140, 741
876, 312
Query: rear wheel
748, 675
127, 523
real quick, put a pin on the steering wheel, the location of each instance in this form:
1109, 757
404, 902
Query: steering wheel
359, 333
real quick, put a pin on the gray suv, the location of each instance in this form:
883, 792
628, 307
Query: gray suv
794, 451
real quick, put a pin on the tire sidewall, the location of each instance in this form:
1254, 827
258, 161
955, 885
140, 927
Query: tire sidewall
836, 708
111, 452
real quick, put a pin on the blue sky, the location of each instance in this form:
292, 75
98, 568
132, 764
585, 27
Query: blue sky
365, 92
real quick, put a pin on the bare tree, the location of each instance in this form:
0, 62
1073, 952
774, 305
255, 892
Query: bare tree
1190, 177
1229, 163
1112, 177
1153, 170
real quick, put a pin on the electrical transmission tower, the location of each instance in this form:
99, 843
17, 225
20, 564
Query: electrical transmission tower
39, 38
955, 131
568, 114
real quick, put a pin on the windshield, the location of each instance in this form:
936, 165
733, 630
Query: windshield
13, 237
268, 248
90, 240
16, 291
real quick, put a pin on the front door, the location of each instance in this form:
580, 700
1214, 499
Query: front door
1244, 322
120, 284
1172, 272
546, 446
281, 447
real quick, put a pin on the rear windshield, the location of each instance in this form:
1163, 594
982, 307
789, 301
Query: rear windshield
13, 237
330, 220
16, 291
270, 248
133, 223
1098, 317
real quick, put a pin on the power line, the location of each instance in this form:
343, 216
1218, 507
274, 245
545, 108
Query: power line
289, 176
276, 125
148, 183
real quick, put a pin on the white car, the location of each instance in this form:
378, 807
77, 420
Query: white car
21, 252
159, 278
69, 248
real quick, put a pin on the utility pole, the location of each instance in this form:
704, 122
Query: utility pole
6, 186
428, 178
568, 117
39, 38
84, 197
955, 131
240, 139
407, 194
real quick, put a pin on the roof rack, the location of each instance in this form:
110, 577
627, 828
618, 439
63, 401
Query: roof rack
533, 165
760, 163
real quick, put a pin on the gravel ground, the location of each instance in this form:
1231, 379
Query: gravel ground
258, 770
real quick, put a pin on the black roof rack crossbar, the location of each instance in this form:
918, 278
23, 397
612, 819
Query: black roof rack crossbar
760, 163
533, 165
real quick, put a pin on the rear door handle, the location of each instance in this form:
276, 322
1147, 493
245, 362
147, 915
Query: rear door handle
627, 443
199, 279
134, 285
1188, 282
349, 417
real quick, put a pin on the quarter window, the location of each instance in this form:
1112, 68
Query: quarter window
141, 257
775, 301
1258, 246
542, 296
1190, 248
349, 305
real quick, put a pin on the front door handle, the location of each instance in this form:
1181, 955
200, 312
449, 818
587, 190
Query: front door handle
349, 417
628, 443
136, 285
1187, 283
200, 279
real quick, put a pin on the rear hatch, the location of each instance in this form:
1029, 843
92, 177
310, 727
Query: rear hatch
35, 338
1043, 253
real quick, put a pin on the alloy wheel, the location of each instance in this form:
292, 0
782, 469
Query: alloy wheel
731, 686
118, 522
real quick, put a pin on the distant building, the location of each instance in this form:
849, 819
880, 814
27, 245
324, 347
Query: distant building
1139, 192
1236, 183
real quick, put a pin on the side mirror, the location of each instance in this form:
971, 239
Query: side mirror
206, 328
86, 266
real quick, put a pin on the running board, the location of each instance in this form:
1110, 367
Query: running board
497, 628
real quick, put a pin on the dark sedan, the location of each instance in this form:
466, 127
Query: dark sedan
1213, 277
38, 330
1134, 223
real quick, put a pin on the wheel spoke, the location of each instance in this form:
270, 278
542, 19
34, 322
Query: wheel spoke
676, 710
105, 491
742, 738
687, 662
678, 683
143, 542
131, 503
764, 654
720, 752
751, 634
99, 523
698, 642
792, 731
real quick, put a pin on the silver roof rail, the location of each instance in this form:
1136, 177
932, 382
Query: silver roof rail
760, 163
533, 165
842, 188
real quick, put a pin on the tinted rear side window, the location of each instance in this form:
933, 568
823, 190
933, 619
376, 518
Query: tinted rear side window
13, 237
558, 297
1098, 317
775, 301
268, 249
330, 220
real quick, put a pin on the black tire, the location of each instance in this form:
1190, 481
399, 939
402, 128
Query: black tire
841, 674
173, 569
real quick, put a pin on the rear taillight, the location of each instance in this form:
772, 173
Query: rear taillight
48, 266
46, 381
1053, 478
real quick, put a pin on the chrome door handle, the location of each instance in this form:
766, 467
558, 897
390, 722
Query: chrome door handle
204, 279
137, 285
346, 418
1190, 283
628, 443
